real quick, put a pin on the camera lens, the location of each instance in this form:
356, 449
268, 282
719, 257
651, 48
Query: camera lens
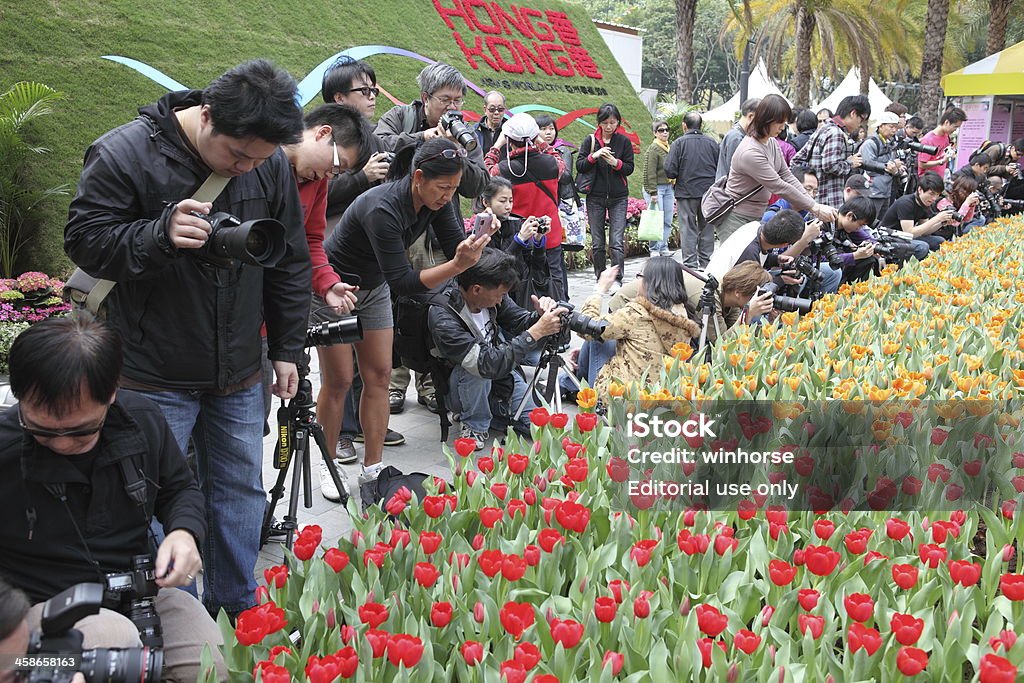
119, 666
345, 331
256, 243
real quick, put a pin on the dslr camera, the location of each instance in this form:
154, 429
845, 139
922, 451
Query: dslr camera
131, 593
260, 242
56, 641
574, 321
348, 330
784, 303
453, 122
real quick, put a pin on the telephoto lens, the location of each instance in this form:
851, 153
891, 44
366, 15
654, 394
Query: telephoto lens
452, 122
258, 242
348, 330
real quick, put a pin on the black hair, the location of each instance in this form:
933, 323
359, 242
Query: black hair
897, 108
854, 103
494, 269
664, 285
799, 172
981, 159
13, 608
692, 120
52, 362
930, 181
429, 159
495, 184
340, 76
806, 121
608, 111
915, 122
953, 115
544, 120
825, 109
1018, 145
862, 208
255, 100
749, 105
785, 227
346, 124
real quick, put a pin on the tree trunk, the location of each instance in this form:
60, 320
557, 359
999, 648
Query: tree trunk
805, 23
999, 17
931, 60
686, 17
865, 78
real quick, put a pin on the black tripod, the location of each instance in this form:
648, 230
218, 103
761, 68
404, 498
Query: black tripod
707, 305
550, 361
296, 424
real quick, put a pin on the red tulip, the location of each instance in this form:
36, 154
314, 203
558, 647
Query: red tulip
276, 576
939, 436
540, 416
573, 450
896, 528
516, 618
500, 490
434, 506
426, 574
577, 469
400, 537
964, 572
567, 632
911, 661
441, 614
572, 516
404, 649
995, 669
373, 613
527, 654
911, 486
272, 673
485, 465
706, 645
1012, 586
931, 555
856, 542
724, 544
710, 621
904, 575
559, 420
531, 554
605, 608
859, 606
307, 542
472, 652
824, 528
942, 529
820, 560
781, 573
810, 623
490, 516
251, 627
430, 541
808, 598
746, 641
1006, 639
860, 636
746, 509
336, 559
513, 567
511, 670
547, 539
619, 589
616, 659
618, 470
641, 607
586, 421
906, 627
479, 613
378, 641
465, 447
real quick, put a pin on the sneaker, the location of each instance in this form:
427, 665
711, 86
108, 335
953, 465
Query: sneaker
479, 437
396, 401
369, 474
327, 487
346, 451
668, 252
429, 402
391, 438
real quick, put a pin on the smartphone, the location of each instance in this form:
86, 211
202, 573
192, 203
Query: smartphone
482, 224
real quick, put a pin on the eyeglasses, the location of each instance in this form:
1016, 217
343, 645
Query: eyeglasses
449, 102
661, 130
59, 433
336, 169
457, 153
496, 110
366, 91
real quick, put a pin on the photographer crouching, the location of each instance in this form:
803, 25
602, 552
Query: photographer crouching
848, 245
83, 469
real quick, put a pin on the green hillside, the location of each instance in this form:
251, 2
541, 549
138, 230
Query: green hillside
60, 43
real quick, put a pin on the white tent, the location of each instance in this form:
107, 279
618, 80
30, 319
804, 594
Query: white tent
851, 86
759, 85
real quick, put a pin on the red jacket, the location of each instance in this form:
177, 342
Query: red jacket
528, 174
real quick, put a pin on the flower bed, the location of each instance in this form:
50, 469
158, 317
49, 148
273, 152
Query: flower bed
26, 299
525, 569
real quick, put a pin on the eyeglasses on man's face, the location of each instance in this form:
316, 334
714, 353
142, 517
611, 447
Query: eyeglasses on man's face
496, 110
448, 101
42, 433
366, 91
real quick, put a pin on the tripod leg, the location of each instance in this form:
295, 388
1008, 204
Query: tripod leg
332, 467
531, 387
551, 390
300, 464
275, 497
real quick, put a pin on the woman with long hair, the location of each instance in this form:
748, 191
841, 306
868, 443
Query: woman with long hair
963, 198
369, 247
647, 327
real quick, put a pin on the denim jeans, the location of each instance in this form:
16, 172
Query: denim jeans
598, 209
470, 398
696, 237
593, 356
227, 432
919, 249
666, 202
830, 278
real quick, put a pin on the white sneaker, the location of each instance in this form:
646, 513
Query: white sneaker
479, 438
369, 474
327, 488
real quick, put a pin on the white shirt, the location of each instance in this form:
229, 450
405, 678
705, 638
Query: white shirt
725, 256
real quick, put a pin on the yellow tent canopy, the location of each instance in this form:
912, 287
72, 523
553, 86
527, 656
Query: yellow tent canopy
998, 74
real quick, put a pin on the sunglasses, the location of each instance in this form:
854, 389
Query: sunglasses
366, 91
495, 110
457, 153
59, 433
661, 130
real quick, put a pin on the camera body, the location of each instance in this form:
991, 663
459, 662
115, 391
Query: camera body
132, 593
574, 321
57, 639
543, 225
453, 122
259, 242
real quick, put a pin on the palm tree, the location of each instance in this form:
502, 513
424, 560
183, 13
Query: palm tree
19, 106
686, 17
931, 59
999, 17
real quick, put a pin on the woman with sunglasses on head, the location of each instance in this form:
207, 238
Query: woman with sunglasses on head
370, 242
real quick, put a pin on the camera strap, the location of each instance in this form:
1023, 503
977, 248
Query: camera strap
89, 292
134, 484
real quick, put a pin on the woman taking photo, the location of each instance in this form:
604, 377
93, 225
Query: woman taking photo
647, 327
607, 157
370, 243
758, 167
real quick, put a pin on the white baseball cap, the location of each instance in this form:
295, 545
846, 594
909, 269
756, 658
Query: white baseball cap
521, 127
887, 117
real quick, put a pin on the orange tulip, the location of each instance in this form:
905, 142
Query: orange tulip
587, 397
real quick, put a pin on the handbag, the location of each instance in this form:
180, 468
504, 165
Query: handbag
717, 202
585, 179
574, 226
652, 225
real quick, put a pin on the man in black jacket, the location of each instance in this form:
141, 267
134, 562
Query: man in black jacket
192, 329
691, 162
83, 470
488, 339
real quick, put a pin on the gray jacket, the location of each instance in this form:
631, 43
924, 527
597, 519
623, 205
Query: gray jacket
875, 151
728, 147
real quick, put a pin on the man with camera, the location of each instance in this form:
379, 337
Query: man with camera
486, 336
936, 161
757, 241
848, 245
84, 468
828, 151
190, 317
915, 214
878, 156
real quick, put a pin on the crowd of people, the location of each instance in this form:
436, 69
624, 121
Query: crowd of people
467, 224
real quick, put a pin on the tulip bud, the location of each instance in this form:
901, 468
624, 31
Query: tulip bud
766, 615
771, 653
458, 469
583, 584
782, 674
830, 679
478, 612
952, 617
1008, 553
684, 608
332, 619
734, 673
542, 485
316, 606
